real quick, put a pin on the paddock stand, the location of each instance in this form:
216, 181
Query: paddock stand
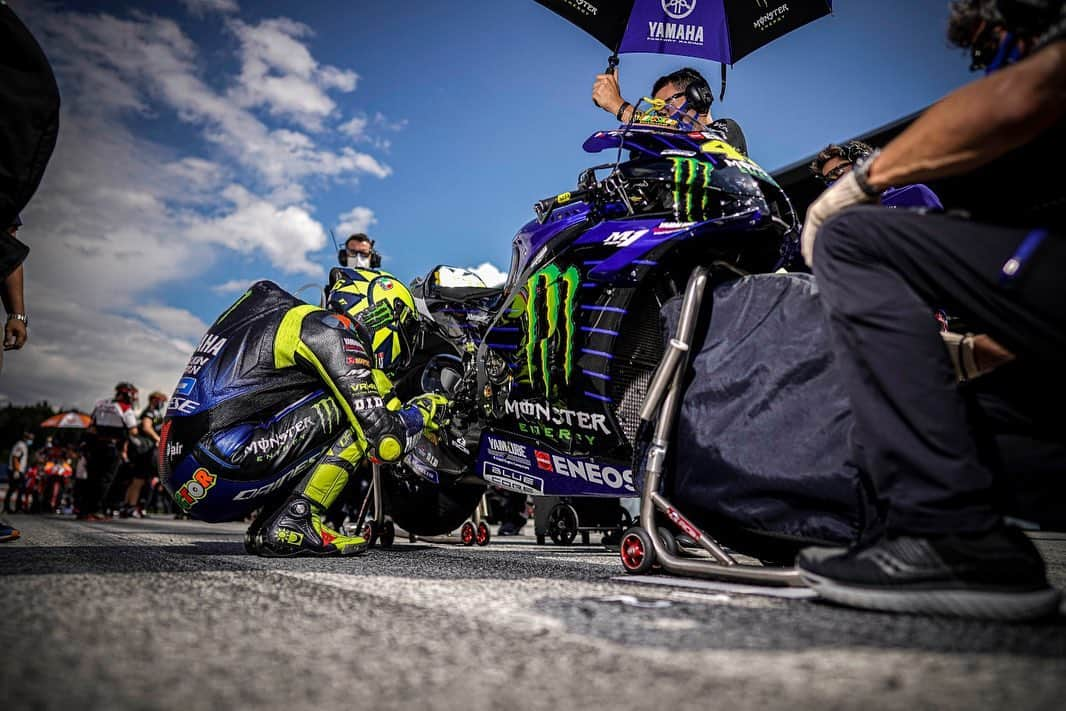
650, 543
375, 525
378, 528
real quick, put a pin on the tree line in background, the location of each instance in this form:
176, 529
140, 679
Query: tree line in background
16, 419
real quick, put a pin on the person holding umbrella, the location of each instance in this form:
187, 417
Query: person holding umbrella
686, 97
713, 30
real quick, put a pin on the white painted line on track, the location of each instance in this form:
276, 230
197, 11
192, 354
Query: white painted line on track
692, 583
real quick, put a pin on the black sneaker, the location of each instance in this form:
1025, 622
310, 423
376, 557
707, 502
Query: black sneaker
998, 575
509, 529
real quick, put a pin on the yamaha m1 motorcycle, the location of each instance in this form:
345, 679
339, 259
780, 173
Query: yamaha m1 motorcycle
551, 376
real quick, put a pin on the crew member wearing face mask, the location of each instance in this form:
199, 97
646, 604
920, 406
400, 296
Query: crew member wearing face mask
358, 253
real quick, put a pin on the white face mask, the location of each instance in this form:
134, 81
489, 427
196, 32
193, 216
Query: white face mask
359, 261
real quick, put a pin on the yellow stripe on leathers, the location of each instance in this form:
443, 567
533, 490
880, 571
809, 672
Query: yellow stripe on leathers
288, 344
327, 480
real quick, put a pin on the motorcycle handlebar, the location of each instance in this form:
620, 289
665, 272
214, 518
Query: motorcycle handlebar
545, 207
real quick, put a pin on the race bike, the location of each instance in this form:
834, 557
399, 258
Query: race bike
549, 373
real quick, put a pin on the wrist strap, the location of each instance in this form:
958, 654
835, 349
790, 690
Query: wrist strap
622, 109
862, 168
19, 317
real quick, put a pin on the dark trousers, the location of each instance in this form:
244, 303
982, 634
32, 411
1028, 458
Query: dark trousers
15, 482
101, 462
881, 273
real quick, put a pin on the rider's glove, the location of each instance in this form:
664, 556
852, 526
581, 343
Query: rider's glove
434, 409
845, 192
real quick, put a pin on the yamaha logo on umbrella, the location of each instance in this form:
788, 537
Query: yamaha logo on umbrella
678, 9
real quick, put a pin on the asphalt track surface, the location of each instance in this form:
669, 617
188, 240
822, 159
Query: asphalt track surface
164, 614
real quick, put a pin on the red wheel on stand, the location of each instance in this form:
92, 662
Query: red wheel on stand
636, 551
467, 534
370, 533
482, 536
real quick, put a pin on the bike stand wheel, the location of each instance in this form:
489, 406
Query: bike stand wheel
482, 535
370, 533
636, 551
668, 540
467, 534
562, 524
249, 539
387, 536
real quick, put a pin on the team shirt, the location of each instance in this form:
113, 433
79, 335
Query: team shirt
113, 418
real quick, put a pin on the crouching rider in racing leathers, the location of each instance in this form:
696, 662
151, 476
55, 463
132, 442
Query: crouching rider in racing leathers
282, 401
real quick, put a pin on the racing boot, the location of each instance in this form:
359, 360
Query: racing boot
297, 530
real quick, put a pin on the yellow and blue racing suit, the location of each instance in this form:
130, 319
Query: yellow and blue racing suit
279, 396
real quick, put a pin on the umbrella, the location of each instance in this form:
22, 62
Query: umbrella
719, 30
68, 420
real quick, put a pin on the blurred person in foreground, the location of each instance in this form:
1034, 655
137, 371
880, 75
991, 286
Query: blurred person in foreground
29, 125
282, 402
946, 548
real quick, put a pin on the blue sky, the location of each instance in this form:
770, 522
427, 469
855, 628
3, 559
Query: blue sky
207, 143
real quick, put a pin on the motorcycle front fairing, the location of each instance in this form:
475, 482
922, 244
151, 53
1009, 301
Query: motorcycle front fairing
563, 369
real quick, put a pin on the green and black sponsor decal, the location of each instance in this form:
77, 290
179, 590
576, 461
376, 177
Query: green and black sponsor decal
563, 436
692, 182
550, 302
328, 412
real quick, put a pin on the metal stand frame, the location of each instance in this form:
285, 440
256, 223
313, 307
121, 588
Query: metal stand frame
379, 522
666, 390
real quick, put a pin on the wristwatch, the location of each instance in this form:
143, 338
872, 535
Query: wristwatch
19, 317
861, 172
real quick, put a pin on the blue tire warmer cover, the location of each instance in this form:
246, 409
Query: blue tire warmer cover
766, 464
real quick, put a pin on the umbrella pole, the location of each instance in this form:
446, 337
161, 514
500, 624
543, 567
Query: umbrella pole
612, 62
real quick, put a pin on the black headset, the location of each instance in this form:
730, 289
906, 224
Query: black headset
698, 93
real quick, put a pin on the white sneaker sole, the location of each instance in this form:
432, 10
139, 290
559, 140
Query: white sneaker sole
1014, 607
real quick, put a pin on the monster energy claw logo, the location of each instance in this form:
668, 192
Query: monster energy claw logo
550, 298
327, 411
692, 180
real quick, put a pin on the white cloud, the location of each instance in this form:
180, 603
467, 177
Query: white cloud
233, 286
75, 356
358, 219
199, 8
355, 128
121, 222
279, 73
490, 274
172, 320
159, 64
283, 235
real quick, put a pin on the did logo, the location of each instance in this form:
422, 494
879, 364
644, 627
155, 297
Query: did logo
550, 295
195, 489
